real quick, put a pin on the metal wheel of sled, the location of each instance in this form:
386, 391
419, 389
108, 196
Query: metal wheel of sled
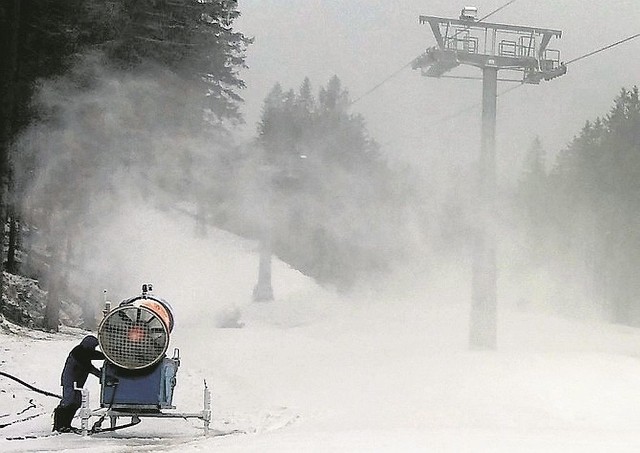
133, 337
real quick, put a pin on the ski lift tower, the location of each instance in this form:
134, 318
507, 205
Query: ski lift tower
490, 47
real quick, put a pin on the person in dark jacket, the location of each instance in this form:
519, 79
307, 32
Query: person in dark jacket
74, 375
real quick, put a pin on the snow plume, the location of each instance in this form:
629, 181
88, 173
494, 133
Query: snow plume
109, 149
119, 174
113, 148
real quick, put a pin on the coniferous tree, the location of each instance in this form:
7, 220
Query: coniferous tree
123, 86
532, 195
193, 38
340, 207
595, 205
37, 38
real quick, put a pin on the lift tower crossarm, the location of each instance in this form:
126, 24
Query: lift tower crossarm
486, 44
435, 21
546, 37
435, 28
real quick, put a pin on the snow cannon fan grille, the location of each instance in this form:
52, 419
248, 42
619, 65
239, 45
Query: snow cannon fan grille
136, 334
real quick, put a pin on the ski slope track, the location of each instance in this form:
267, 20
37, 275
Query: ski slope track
382, 370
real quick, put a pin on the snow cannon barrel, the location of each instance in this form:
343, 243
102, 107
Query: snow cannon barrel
135, 335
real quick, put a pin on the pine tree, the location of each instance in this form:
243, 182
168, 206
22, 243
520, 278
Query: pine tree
193, 38
37, 40
533, 195
178, 64
596, 179
329, 183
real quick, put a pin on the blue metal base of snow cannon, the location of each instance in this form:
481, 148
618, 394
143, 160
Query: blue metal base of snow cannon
147, 389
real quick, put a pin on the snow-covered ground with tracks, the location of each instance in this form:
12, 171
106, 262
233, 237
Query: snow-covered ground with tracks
384, 370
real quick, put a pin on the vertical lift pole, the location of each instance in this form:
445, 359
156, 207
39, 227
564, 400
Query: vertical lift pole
490, 47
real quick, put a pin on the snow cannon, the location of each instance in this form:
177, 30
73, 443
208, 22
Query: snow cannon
137, 378
135, 335
134, 338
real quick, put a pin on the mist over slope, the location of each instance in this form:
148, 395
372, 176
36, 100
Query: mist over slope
380, 370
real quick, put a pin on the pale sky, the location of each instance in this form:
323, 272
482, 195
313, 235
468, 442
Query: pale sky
364, 41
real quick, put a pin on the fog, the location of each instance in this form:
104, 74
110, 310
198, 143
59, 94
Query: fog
119, 147
112, 146
372, 216
366, 41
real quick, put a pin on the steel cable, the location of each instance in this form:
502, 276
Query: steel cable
398, 71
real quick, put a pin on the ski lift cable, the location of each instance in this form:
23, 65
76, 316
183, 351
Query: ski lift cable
460, 30
471, 107
496, 10
602, 49
398, 71
589, 54
375, 87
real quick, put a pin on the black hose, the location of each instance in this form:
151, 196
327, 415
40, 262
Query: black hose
115, 428
97, 425
29, 386
23, 419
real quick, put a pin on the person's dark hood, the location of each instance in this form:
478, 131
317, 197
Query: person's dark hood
89, 342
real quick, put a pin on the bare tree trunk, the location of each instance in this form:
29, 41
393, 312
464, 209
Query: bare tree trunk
12, 261
56, 276
52, 311
10, 27
263, 291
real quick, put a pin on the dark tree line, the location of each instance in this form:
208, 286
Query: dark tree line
100, 92
340, 212
92, 88
587, 207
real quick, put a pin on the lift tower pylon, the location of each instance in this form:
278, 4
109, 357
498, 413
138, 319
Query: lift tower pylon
490, 47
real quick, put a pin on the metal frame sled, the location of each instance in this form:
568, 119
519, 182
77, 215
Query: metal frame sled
136, 413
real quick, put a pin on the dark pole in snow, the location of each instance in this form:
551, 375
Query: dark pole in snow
483, 325
263, 291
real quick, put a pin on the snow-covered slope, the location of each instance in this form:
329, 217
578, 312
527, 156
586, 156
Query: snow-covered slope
314, 371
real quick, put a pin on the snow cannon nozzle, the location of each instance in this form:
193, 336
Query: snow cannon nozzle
147, 288
135, 335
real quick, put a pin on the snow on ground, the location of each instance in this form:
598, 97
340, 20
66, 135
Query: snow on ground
316, 372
